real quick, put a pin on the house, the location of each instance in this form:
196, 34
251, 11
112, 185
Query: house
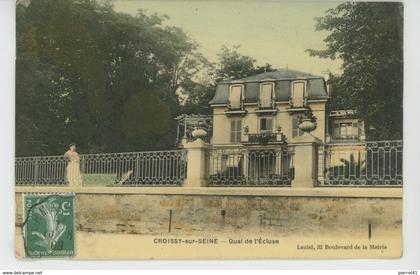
268, 103
266, 108
255, 118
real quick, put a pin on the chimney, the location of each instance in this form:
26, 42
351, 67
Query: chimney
326, 75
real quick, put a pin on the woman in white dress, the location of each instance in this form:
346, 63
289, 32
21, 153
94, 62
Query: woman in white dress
73, 175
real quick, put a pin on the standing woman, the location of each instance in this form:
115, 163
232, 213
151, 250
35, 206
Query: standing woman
73, 175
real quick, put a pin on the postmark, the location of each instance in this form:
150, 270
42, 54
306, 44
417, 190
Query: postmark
49, 225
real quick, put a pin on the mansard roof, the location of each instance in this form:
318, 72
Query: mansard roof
282, 78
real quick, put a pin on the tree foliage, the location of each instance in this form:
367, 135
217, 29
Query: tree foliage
105, 80
234, 65
367, 37
108, 81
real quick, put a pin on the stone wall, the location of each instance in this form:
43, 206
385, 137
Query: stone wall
207, 214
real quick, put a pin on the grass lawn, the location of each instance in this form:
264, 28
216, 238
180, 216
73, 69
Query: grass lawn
99, 179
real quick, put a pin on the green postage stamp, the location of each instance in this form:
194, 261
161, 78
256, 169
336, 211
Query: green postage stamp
49, 225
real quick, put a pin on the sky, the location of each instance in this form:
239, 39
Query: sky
270, 31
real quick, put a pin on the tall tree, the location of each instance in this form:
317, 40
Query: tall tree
88, 74
233, 65
368, 38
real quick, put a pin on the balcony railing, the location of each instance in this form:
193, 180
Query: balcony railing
298, 102
235, 105
250, 167
235, 108
261, 138
267, 103
131, 169
378, 163
352, 138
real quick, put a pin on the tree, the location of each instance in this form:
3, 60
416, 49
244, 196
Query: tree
234, 65
85, 73
367, 37
231, 65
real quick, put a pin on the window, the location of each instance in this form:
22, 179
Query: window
346, 130
266, 125
295, 128
235, 96
235, 130
266, 95
298, 93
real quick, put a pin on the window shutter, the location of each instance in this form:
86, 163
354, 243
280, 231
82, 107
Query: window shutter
239, 125
238, 130
235, 130
266, 95
355, 130
336, 130
269, 125
232, 130
360, 129
298, 94
235, 97
232, 136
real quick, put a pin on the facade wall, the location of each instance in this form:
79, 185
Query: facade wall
221, 122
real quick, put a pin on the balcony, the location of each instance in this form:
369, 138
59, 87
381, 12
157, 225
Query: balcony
346, 139
235, 108
266, 137
266, 107
297, 105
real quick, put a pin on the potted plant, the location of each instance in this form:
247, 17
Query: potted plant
307, 122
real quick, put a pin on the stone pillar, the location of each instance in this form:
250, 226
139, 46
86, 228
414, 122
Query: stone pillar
278, 163
245, 164
305, 161
196, 165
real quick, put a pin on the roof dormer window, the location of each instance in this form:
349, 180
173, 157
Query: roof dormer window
266, 95
298, 97
236, 96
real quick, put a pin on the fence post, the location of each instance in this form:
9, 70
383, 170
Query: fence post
322, 160
305, 161
196, 164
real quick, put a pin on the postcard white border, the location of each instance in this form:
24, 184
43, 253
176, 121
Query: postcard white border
411, 224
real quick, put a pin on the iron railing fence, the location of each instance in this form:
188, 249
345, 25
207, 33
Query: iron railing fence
373, 163
265, 166
128, 169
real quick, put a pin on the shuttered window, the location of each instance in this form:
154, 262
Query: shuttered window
346, 130
235, 96
298, 94
266, 95
235, 130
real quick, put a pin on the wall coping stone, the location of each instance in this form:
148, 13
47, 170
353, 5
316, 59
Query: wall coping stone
338, 192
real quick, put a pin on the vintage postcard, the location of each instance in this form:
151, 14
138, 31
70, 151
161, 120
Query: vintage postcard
208, 129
